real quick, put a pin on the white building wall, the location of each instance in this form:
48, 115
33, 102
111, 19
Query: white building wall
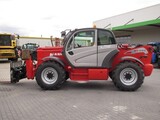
142, 36
138, 36
145, 14
40, 41
145, 36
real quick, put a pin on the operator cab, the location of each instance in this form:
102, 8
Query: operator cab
90, 47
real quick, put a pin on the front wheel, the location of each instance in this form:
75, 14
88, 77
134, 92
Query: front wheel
128, 76
50, 76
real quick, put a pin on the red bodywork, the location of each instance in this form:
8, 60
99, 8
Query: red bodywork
140, 55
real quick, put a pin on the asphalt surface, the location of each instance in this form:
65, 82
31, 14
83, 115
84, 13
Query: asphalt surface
95, 100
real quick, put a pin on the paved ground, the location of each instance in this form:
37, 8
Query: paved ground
90, 101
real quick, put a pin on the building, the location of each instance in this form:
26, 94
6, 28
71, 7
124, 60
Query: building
137, 27
41, 41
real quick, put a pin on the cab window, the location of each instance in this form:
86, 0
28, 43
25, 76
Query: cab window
105, 38
84, 39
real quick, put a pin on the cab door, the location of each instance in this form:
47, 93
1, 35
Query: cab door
107, 47
81, 50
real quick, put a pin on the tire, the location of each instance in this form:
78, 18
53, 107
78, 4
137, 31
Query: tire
128, 76
50, 76
12, 76
111, 74
67, 76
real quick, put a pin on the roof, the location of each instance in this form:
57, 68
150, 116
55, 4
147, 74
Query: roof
152, 23
130, 28
5, 34
34, 37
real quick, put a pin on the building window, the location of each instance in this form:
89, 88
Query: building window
123, 39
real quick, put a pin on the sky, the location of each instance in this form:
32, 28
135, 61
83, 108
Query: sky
49, 17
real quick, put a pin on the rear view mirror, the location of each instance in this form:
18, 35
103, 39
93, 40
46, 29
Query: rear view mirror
63, 33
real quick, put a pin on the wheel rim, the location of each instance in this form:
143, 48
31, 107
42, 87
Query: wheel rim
11, 73
128, 76
49, 75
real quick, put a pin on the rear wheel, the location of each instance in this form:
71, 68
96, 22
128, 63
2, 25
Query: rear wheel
111, 76
50, 76
128, 76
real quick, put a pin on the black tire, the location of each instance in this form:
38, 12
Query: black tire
12, 76
111, 74
50, 76
128, 76
67, 76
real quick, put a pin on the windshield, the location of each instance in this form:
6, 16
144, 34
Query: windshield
5, 40
30, 46
67, 36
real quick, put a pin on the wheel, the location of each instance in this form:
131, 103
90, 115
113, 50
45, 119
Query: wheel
128, 76
50, 76
111, 76
12, 76
67, 76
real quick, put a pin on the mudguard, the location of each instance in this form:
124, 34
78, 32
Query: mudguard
56, 59
107, 62
131, 58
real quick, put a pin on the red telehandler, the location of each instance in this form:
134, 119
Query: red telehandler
87, 54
